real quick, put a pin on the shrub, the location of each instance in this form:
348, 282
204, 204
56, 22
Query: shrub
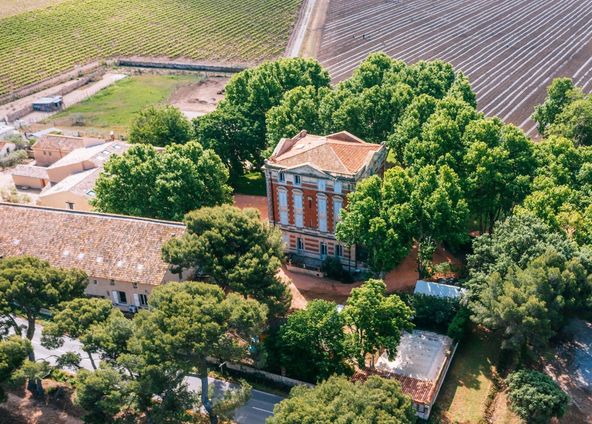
13, 159
333, 268
535, 397
434, 312
459, 324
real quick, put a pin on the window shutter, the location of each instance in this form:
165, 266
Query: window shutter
136, 299
115, 296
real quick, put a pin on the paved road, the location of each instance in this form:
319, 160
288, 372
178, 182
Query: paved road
255, 411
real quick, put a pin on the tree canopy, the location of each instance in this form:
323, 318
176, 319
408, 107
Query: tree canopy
376, 401
535, 397
160, 126
166, 184
313, 343
386, 216
13, 352
236, 250
376, 321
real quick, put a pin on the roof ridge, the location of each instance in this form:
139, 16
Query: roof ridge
95, 214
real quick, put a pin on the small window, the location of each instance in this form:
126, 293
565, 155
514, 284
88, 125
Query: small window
135, 285
49, 153
94, 281
322, 185
338, 250
281, 177
337, 187
122, 297
299, 244
112, 282
297, 180
143, 299
70, 205
323, 250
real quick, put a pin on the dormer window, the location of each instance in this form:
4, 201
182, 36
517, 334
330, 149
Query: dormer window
297, 180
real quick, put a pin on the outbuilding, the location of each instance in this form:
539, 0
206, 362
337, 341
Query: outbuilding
430, 288
48, 104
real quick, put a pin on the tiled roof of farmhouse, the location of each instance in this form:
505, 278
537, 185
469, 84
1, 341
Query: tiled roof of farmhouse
340, 152
104, 246
64, 142
30, 171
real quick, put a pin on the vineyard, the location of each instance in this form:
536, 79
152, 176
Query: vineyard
46, 42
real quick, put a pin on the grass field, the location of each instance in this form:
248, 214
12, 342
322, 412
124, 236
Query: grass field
468, 382
45, 42
114, 107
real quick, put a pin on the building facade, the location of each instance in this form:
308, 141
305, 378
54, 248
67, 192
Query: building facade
120, 254
308, 179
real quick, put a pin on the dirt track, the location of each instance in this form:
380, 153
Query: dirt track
510, 49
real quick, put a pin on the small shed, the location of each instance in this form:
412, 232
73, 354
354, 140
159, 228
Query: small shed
48, 104
430, 288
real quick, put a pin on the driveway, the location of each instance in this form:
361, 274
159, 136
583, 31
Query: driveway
258, 408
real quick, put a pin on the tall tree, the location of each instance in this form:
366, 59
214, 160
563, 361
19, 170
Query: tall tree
76, 319
575, 122
167, 184
313, 343
232, 136
160, 127
499, 166
236, 250
190, 322
376, 321
27, 285
560, 93
377, 400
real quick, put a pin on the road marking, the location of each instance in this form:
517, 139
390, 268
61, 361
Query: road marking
261, 409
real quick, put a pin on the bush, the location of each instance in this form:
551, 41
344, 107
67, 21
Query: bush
13, 159
333, 268
459, 324
535, 397
434, 312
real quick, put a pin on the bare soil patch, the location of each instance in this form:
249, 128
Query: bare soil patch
15, 7
199, 98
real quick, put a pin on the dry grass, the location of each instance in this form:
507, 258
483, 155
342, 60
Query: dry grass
15, 7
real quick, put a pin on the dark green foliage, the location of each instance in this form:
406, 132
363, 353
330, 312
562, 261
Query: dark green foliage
535, 397
13, 352
167, 184
434, 312
333, 268
459, 325
377, 400
375, 321
160, 127
313, 343
236, 250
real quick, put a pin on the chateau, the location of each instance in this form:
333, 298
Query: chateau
308, 178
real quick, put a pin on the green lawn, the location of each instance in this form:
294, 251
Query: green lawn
252, 183
114, 107
465, 390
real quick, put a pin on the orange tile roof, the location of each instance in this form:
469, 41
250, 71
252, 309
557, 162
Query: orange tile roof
106, 246
64, 143
420, 391
341, 152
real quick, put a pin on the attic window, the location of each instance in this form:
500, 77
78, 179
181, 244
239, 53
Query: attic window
16, 242
297, 180
281, 177
80, 256
66, 253
99, 260
119, 264
91, 193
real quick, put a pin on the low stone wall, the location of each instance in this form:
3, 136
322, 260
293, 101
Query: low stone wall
179, 65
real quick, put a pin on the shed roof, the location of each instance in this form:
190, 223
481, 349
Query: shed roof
105, 246
439, 290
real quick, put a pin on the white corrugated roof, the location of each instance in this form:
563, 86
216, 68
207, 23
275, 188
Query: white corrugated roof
436, 289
